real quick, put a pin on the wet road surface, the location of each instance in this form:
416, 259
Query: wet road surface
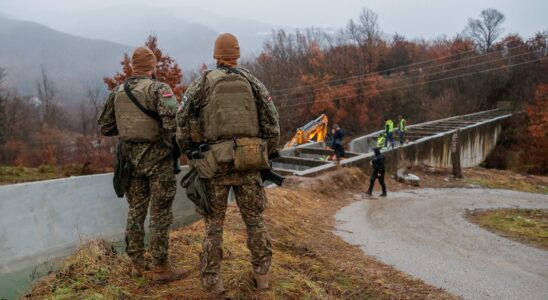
424, 233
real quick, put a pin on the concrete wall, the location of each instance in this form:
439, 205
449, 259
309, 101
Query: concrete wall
476, 142
366, 143
46, 219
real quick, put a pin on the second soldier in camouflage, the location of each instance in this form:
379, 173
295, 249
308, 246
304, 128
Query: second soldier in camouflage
148, 145
257, 120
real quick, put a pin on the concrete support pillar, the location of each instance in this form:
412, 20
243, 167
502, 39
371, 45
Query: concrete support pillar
455, 155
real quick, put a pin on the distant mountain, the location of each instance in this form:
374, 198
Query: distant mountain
189, 43
79, 48
185, 33
72, 62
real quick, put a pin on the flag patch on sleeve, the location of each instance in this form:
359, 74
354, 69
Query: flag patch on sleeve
167, 94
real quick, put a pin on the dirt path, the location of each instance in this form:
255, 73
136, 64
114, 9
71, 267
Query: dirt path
424, 233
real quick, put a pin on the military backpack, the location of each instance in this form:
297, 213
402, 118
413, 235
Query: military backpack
230, 121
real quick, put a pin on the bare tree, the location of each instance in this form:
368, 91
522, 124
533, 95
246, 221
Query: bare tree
84, 117
46, 93
486, 30
3, 100
2, 76
95, 100
369, 25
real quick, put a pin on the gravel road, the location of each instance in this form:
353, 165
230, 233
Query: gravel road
424, 233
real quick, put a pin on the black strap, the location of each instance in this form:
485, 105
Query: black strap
154, 115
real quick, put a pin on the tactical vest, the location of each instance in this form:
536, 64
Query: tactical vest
133, 125
230, 110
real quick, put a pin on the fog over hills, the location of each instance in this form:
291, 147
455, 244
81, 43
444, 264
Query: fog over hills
79, 48
187, 34
72, 62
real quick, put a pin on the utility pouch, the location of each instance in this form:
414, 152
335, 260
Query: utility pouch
196, 131
207, 166
223, 151
122, 170
250, 154
196, 191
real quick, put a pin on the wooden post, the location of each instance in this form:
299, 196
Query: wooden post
455, 154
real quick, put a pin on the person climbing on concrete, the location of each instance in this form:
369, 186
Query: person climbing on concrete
337, 142
389, 131
402, 129
378, 172
380, 141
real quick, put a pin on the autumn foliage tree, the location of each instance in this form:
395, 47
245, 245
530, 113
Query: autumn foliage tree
538, 129
167, 70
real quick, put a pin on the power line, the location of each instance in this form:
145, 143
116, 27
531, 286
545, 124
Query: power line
411, 77
366, 75
422, 83
348, 88
274, 92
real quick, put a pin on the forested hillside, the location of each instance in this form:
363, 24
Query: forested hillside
358, 76
74, 63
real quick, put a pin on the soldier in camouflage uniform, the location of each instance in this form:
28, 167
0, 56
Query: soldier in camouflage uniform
152, 179
247, 185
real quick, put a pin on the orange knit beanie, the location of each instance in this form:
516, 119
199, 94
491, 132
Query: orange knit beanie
143, 61
227, 50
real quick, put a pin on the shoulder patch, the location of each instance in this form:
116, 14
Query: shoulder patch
167, 94
269, 98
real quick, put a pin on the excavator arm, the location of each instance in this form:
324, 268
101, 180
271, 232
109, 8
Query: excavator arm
314, 129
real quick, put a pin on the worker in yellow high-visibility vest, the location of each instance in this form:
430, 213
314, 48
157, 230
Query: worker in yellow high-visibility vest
389, 131
402, 129
380, 141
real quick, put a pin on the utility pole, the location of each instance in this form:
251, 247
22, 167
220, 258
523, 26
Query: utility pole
455, 154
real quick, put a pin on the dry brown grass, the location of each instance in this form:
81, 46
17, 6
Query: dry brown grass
309, 262
529, 226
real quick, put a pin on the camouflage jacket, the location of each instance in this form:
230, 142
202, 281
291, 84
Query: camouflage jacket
269, 127
160, 99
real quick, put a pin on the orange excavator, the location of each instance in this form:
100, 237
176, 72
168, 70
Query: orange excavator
314, 129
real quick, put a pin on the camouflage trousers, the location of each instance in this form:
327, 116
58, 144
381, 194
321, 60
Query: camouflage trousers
155, 187
251, 200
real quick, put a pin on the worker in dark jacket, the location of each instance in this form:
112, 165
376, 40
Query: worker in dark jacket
337, 143
378, 172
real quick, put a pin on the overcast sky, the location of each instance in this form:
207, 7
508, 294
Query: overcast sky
412, 18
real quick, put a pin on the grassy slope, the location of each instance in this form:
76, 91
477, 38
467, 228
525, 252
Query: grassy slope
9, 175
501, 179
310, 262
529, 226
